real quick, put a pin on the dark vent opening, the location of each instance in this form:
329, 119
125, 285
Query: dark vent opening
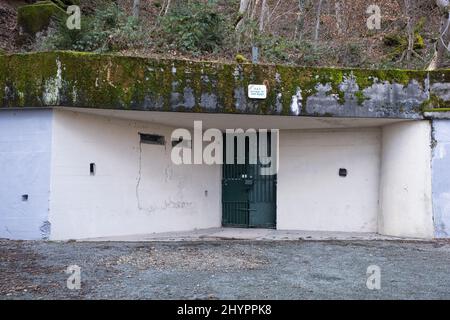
152, 139
343, 172
92, 169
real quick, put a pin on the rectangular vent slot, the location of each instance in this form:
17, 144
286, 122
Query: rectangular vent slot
152, 139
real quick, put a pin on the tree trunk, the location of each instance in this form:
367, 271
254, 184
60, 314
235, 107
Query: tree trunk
300, 20
262, 18
255, 4
167, 7
443, 45
410, 30
317, 28
136, 8
338, 9
243, 6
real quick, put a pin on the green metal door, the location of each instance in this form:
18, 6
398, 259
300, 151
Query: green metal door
248, 197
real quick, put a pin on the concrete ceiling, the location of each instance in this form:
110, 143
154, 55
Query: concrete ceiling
233, 121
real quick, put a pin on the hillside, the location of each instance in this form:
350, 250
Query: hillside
297, 32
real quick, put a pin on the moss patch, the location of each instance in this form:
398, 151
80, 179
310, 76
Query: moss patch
435, 104
77, 79
36, 17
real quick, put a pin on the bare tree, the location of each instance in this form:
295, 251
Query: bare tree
300, 20
411, 32
270, 14
338, 10
165, 7
244, 6
443, 44
136, 8
410, 29
263, 15
254, 4
317, 28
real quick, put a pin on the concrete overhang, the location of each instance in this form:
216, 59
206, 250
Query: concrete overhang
112, 82
235, 121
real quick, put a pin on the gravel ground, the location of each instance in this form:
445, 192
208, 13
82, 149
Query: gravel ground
225, 270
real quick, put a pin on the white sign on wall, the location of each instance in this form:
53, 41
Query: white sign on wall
257, 91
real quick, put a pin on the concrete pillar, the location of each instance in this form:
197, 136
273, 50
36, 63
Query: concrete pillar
441, 178
405, 185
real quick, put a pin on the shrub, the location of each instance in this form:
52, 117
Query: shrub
108, 29
36, 17
275, 48
195, 27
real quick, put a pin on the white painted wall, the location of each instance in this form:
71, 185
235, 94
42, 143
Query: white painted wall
441, 178
25, 153
139, 191
312, 196
132, 192
405, 189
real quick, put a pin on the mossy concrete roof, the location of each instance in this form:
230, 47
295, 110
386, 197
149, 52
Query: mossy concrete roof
85, 80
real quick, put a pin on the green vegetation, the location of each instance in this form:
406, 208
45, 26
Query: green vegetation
216, 30
435, 104
398, 42
36, 17
195, 27
108, 29
84, 79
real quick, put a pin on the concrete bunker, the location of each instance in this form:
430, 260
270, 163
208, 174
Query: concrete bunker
359, 150
388, 176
